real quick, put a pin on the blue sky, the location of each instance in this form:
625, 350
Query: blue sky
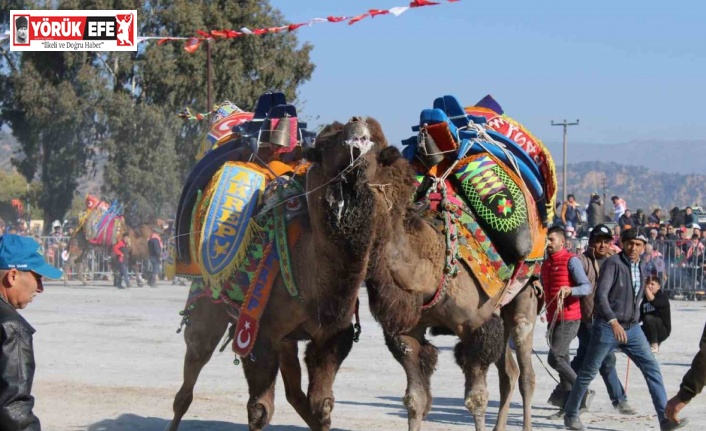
629, 70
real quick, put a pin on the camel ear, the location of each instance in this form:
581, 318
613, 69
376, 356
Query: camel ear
313, 155
389, 155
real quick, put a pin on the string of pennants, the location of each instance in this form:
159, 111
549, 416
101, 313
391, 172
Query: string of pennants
192, 43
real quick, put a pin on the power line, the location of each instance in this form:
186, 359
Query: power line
565, 125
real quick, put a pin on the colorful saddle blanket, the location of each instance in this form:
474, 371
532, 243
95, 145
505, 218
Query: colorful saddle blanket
489, 109
449, 133
102, 224
245, 291
475, 247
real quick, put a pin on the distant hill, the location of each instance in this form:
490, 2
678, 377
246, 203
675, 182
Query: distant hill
685, 157
639, 186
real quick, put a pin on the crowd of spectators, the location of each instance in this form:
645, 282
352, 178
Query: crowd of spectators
675, 252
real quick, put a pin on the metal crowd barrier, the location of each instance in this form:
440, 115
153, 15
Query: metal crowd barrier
680, 265
97, 263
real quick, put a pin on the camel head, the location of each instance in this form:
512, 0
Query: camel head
341, 148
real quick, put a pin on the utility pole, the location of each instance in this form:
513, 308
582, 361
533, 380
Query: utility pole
209, 97
605, 185
564, 124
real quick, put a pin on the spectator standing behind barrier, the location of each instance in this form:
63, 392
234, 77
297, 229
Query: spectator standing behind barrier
625, 221
591, 260
154, 246
692, 383
655, 313
564, 281
618, 297
570, 212
676, 217
690, 220
619, 207
639, 219
21, 270
655, 218
120, 261
594, 212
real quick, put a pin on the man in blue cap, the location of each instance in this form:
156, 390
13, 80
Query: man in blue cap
22, 268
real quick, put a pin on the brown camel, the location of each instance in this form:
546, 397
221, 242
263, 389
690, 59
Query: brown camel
408, 273
79, 248
329, 263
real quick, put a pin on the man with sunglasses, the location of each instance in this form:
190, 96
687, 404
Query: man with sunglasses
22, 268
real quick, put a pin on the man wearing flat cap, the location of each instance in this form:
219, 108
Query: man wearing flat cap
22, 268
619, 293
21, 30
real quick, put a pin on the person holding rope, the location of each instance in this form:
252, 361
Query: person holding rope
691, 385
598, 252
621, 287
564, 281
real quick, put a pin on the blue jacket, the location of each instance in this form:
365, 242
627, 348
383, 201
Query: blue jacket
615, 298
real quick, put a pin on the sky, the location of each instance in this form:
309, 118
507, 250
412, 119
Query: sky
628, 70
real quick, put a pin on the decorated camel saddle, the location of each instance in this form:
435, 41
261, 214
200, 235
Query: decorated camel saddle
103, 223
490, 195
239, 215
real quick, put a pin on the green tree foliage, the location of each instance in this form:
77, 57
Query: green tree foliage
65, 107
243, 68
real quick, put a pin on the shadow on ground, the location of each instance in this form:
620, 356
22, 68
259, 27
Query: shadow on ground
447, 410
130, 422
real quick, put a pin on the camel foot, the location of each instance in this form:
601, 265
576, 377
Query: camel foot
322, 413
477, 403
257, 417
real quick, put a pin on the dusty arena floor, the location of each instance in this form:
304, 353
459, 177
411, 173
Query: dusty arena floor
110, 360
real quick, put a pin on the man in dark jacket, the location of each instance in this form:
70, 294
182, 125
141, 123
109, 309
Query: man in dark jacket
154, 247
21, 270
692, 384
616, 324
594, 213
598, 252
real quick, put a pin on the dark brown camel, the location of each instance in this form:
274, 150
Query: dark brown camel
405, 276
329, 264
79, 248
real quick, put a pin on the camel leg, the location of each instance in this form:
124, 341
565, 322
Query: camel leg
261, 368
519, 317
323, 358
527, 378
292, 377
477, 350
208, 322
507, 375
418, 358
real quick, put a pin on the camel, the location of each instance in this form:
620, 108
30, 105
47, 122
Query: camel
329, 263
409, 293
79, 248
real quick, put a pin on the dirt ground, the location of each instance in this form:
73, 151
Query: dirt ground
110, 360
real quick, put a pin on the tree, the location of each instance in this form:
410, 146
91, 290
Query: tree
142, 169
63, 107
243, 68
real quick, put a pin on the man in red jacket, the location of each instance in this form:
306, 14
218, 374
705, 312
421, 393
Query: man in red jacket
120, 260
564, 281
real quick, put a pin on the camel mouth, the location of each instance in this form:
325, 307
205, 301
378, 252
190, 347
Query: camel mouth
358, 137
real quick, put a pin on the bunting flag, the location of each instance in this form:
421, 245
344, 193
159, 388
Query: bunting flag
191, 44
